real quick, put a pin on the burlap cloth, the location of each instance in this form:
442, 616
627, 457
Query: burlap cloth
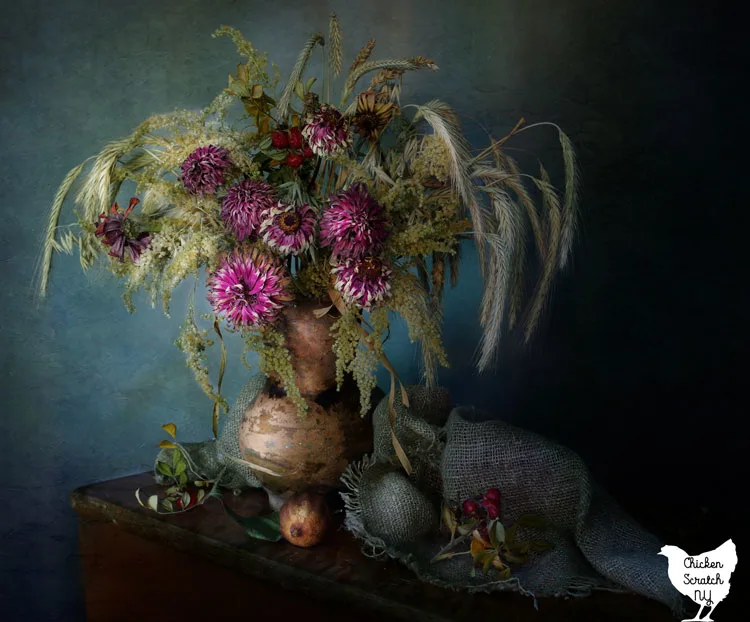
458, 453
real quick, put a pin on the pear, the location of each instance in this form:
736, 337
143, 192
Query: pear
304, 519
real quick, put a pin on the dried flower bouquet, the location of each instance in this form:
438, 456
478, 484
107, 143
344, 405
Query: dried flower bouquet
361, 204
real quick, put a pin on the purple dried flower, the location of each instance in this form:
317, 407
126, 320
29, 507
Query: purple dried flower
249, 288
203, 170
290, 229
119, 232
354, 224
246, 205
327, 131
362, 282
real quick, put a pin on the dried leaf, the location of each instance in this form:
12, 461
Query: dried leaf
319, 313
478, 544
171, 429
489, 559
449, 519
167, 445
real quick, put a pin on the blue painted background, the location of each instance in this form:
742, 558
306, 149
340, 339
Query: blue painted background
635, 366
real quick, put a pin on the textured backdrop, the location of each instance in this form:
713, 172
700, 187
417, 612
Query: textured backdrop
634, 368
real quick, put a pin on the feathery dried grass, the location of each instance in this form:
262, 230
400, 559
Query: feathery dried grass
438, 279
296, 75
335, 50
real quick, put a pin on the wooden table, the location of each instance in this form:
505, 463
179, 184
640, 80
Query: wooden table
200, 565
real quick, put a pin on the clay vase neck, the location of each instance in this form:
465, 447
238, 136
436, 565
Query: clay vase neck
311, 346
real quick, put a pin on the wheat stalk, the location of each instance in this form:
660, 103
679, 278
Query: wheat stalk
335, 50
373, 65
570, 207
552, 205
297, 71
444, 123
49, 245
517, 294
515, 182
362, 55
501, 270
570, 214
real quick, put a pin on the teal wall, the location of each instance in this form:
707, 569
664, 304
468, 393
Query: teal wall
633, 365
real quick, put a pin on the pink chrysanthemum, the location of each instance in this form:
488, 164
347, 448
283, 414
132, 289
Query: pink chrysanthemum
354, 224
203, 170
119, 232
290, 229
246, 205
363, 282
249, 289
327, 131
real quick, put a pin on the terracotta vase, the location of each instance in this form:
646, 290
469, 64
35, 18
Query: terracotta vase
314, 449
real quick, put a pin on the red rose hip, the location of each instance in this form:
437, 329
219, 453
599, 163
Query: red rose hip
493, 511
294, 160
279, 139
295, 138
492, 494
470, 507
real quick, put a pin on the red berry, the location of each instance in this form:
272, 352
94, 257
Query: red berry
308, 152
295, 138
279, 139
470, 507
294, 160
492, 494
492, 510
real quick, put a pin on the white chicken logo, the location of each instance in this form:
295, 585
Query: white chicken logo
704, 578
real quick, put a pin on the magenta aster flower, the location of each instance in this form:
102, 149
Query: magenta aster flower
249, 288
119, 232
362, 282
327, 131
354, 224
246, 205
203, 170
290, 229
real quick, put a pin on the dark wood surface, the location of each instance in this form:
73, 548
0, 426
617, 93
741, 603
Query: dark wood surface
139, 565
